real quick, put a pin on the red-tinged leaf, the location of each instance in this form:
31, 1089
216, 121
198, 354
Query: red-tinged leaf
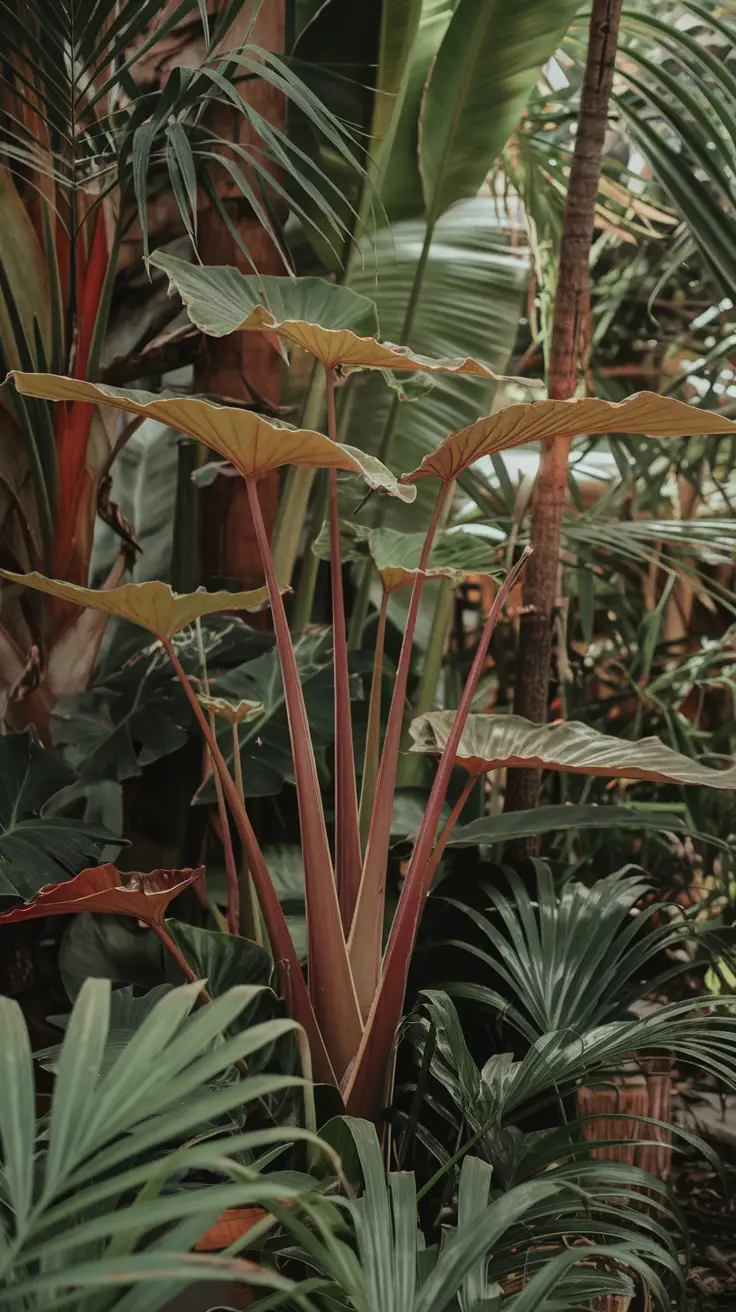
105, 889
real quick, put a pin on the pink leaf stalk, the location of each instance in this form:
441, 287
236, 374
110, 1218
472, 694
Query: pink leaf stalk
367, 1084
366, 934
348, 857
331, 985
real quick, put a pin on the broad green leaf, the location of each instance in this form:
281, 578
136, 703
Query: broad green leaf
401, 21
77, 1075
17, 1109
223, 960
247, 440
400, 185
36, 845
25, 273
153, 606
536, 421
492, 742
455, 553
224, 299
486, 67
220, 299
559, 819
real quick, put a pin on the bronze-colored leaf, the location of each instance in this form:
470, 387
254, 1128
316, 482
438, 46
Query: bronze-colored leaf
645, 413
152, 605
231, 712
105, 889
252, 444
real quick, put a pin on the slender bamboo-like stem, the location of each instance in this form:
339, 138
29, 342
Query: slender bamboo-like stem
366, 1087
348, 860
301, 610
408, 772
331, 986
568, 346
285, 958
366, 934
250, 918
294, 501
360, 606
373, 732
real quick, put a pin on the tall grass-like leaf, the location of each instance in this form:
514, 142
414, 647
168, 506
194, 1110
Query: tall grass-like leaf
17, 1110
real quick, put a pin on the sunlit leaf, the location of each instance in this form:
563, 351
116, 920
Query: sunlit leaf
645, 413
308, 312
107, 889
231, 712
492, 742
249, 442
151, 605
455, 553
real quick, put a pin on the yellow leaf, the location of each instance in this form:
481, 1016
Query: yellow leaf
153, 606
231, 712
645, 413
249, 442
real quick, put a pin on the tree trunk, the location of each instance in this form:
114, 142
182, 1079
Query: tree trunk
243, 366
567, 350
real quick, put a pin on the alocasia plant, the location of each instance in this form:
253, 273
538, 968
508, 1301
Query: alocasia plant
350, 1003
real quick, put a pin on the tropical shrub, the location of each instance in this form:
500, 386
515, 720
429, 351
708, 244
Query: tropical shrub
351, 1004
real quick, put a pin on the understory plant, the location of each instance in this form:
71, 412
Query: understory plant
350, 1001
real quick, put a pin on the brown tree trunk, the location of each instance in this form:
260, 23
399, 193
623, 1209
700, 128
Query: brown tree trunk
243, 366
567, 350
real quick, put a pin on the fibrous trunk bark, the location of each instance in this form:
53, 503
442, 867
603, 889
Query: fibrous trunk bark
567, 350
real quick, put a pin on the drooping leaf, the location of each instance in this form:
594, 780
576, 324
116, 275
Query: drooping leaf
249, 442
560, 819
492, 742
645, 413
224, 299
153, 605
489, 60
35, 842
455, 554
107, 889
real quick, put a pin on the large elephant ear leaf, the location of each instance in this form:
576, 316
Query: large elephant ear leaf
321, 318
645, 413
251, 444
153, 605
105, 889
36, 844
492, 742
486, 67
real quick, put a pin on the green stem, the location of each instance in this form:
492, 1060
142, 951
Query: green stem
301, 612
233, 891
410, 767
360, 607
102, 317
294, 502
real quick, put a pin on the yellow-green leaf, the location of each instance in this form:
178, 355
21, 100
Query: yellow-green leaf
249, 442
645, 413
231, 712
153, 606
492, 742
319, 319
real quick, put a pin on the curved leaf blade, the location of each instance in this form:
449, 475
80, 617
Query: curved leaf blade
492, 742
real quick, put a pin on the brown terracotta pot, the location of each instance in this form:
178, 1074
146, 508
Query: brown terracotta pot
232, 1224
